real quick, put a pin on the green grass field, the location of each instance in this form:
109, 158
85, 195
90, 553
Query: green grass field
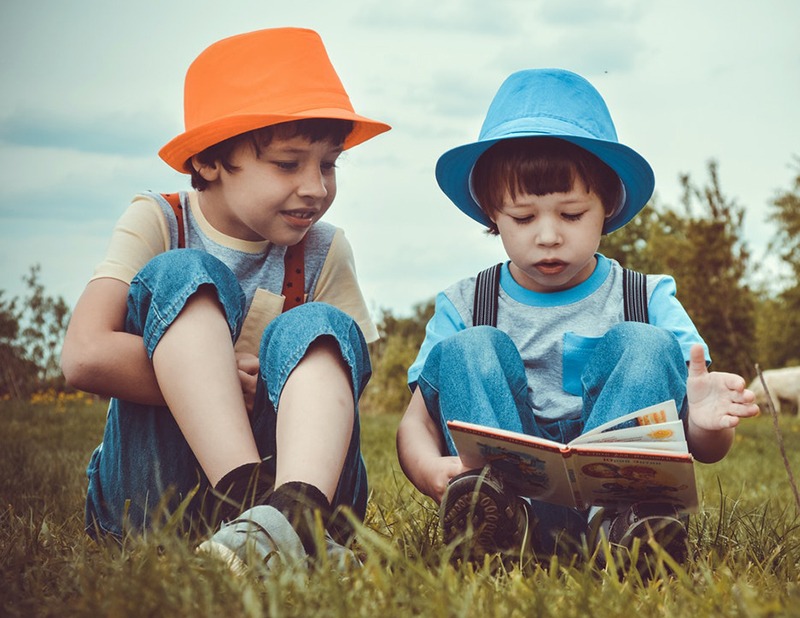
745, 559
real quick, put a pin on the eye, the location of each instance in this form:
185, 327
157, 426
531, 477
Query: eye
568, 216
287, 166
523, 220
327, 166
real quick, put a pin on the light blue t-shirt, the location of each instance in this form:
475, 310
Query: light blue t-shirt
556, 332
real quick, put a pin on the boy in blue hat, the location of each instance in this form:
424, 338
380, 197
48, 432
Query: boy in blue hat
545, 343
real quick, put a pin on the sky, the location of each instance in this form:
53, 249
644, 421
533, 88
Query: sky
92, 89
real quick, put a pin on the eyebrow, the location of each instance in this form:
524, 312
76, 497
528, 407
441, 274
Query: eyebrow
294, 150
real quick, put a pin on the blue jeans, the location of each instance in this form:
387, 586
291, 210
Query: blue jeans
144, 468
478, 376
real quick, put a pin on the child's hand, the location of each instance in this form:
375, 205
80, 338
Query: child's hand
716, 400
248, 376
438, 475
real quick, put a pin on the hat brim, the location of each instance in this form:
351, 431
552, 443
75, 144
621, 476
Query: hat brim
183, 147
454, 170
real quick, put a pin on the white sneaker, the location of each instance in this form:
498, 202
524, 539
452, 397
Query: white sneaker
260, 534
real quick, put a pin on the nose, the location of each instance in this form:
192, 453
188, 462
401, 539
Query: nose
547, 233
313, 183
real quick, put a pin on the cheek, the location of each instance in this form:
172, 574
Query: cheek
331, 188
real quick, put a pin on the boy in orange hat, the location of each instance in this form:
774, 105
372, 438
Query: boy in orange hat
186, 323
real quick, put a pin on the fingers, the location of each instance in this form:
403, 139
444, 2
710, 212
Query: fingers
697, 361
248, 363
742, 410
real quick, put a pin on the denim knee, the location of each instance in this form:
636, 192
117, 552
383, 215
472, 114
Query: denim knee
478, 353
476, 376
288, 337
637, 346
633, 366
159, 292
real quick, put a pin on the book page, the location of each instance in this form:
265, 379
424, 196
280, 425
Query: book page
533, 466
659, 414
668, 433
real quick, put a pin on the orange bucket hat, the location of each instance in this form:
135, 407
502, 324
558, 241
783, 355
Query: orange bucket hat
257, 79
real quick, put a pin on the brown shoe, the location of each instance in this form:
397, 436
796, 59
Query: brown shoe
481, 517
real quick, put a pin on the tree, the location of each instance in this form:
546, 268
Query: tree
31, 333
785, 214
391, 357
702, 248
779, 318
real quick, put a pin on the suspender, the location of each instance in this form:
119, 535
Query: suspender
487, 287
174, 200
294, 279
634, 291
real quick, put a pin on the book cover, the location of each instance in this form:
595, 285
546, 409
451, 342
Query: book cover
608, 466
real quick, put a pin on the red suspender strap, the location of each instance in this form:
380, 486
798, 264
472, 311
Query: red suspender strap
294, 278
174, 200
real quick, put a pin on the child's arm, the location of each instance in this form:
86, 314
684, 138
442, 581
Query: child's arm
98, 356
420, 445
717, 402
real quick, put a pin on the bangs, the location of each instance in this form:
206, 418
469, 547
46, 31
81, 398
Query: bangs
540, 166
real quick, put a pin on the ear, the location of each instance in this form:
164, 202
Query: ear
209, 172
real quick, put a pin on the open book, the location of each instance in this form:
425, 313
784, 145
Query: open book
606, 466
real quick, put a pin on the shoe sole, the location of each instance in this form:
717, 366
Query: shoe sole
223, 553
483, 518
667, 532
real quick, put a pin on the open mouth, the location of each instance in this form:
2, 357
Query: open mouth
550, 267
300, 218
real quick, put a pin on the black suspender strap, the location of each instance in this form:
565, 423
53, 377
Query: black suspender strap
634, 292
487, 289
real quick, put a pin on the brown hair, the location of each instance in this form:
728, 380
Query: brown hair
538, 166
313, 129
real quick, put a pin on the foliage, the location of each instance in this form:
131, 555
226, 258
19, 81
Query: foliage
31, 333
702, 249
779, 329
745, 546
392, 355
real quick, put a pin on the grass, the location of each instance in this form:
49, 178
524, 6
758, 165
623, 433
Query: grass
745, 545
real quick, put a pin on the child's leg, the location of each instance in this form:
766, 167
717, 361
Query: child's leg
314, 365
477, 376
633, 366
145, 454
196, 370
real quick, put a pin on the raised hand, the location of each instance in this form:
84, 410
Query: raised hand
716, 400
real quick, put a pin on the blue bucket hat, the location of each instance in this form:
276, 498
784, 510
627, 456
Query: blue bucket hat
549, 103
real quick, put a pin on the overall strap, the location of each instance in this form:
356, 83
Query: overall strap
487, 289
174, 200
294, 279
634, 293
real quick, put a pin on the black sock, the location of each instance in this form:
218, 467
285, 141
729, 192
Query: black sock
299, 502
248, 485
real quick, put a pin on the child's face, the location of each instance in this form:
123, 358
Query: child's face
551, 239
276, 196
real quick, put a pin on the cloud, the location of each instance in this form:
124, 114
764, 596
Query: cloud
465, 16
133, 134
41, 183
595, 12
